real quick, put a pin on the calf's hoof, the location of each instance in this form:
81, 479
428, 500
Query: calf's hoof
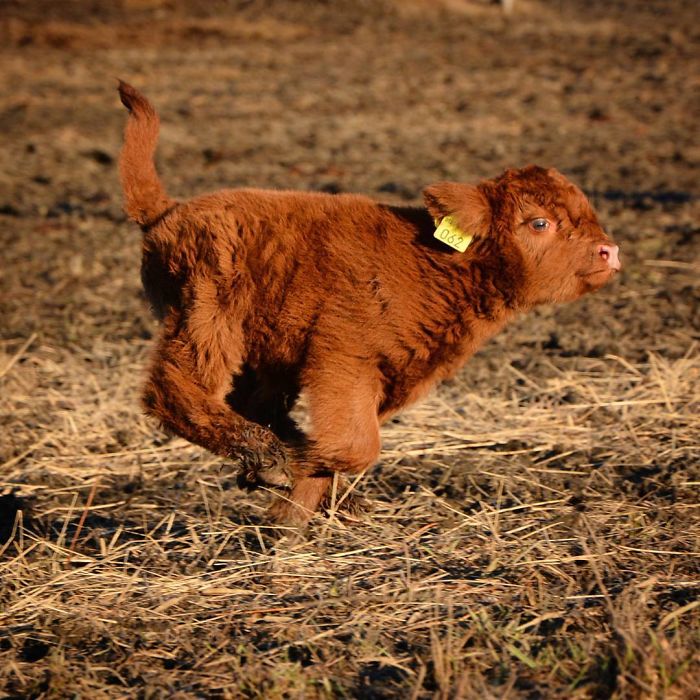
264, 465
255, 473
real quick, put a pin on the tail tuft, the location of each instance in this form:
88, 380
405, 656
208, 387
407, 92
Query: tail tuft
133, 100
145, 198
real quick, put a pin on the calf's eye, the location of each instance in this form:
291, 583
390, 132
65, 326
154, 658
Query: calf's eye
539, 225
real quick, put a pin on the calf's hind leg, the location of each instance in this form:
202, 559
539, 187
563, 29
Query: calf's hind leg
186, 392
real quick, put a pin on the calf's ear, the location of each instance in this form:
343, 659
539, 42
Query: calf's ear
466, 203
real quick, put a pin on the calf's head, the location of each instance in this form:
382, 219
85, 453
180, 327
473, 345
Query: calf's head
534, 222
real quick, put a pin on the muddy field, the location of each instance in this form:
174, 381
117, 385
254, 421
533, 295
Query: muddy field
535, 531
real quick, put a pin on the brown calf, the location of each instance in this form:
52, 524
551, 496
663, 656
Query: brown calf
264, 294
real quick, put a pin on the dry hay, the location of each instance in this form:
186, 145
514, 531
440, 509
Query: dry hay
547, 526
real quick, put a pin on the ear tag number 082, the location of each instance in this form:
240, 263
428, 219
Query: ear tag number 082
448, 232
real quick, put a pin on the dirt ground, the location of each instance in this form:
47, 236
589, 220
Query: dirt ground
535, 530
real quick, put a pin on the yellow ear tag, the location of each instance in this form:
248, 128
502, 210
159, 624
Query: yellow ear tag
448, 232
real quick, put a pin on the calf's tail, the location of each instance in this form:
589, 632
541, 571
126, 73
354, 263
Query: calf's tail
145, 199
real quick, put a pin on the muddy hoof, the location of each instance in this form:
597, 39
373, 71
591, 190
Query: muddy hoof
250, 479
253, 475
262, 467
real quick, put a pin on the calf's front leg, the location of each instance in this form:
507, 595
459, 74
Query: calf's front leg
344, 439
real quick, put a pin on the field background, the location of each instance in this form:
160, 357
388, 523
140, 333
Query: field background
535, 530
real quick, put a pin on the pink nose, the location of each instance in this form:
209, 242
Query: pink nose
609, 254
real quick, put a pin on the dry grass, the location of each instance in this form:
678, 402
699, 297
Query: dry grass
535, 531
541, 537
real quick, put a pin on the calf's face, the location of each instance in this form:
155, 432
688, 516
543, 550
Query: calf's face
566, 251
540, 220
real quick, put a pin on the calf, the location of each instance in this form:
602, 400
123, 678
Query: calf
361, 305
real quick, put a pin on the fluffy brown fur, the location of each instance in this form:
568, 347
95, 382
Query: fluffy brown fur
264, 294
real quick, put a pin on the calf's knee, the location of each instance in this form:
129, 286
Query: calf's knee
351, 453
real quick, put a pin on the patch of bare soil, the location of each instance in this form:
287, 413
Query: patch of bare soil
535, 530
